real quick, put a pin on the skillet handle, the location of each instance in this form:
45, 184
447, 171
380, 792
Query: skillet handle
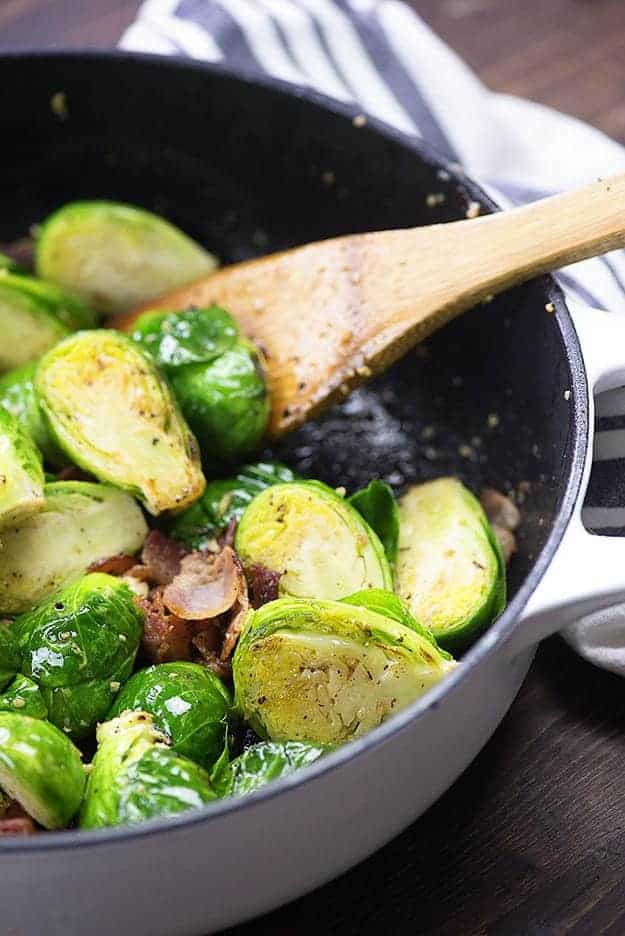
587, 573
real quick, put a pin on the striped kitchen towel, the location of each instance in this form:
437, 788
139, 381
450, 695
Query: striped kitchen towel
381, 56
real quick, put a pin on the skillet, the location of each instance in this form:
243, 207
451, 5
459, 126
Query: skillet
499, 397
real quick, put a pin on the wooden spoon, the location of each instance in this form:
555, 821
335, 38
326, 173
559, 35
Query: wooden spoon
330, 315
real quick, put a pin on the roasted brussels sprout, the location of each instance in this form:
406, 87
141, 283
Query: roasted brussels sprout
79, 646
390, 606
449, 570
116, 256
261, 763
186, 701
135, 776
326, 671
320, 544
41, 769
23, 696
377, 504
33, 317
113, 414
225, 500
9, 653
17, 395
21, 471
80, 523
215, 374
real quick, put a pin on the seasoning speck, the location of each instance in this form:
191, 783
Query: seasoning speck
359, 120
58, 105
340, 491
492, 421
567, 394
473, 209
432, 199
550, 307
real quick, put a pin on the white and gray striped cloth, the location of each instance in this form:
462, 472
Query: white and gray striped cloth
379, 54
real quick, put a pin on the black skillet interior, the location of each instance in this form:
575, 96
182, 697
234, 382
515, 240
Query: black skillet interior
248, 170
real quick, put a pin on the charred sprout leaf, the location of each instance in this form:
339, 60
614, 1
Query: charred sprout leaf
116, 256
113, 414
377, 504
136, 777
21, 472
449, 570
9, 653
326, 672
79, 646
195, 336
216, 376
319, 542
80, 523
261, 763
186, 701
225, 500
41, 769
17, 395
390, 606
23, 696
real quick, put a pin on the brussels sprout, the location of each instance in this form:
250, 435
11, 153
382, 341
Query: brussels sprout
377, 504
21, 471
225, 500
79, 646
17, 395
320, 544
135, 776
9, 653
216, 376
41, 769
113, 414
23, 696
326, 671
79, 524
116, 256
261, 763
449, 569
390, 606
34, 316
186, 701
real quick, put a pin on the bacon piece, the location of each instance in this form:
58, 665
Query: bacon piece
113, 565
227, 537
206, 586
499, 509
162, 557
73, 473
507, 541
166, 637
263, 584
14, 820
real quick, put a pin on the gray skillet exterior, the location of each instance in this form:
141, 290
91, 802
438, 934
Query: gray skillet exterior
201, 872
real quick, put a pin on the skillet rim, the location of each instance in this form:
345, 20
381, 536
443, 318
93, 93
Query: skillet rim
500, 631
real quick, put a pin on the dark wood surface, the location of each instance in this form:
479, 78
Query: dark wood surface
531, 840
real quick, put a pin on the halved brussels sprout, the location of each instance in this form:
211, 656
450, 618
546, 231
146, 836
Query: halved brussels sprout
41, 769
9, 653
449, 568
79, 646
326, 672
34, 316
21, 471
23, 696
216, 376
113, 414
321, 545
377, 504
79, 524
17, 395
135, 776
261, 763
186, 701
116, 256
390, 606
225, 500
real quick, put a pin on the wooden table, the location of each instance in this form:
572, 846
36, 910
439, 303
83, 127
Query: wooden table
531, 839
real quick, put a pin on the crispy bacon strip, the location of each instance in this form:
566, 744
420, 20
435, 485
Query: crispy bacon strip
113, 565
206, 586
14, 820
161, 558
263, 584
166, 637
